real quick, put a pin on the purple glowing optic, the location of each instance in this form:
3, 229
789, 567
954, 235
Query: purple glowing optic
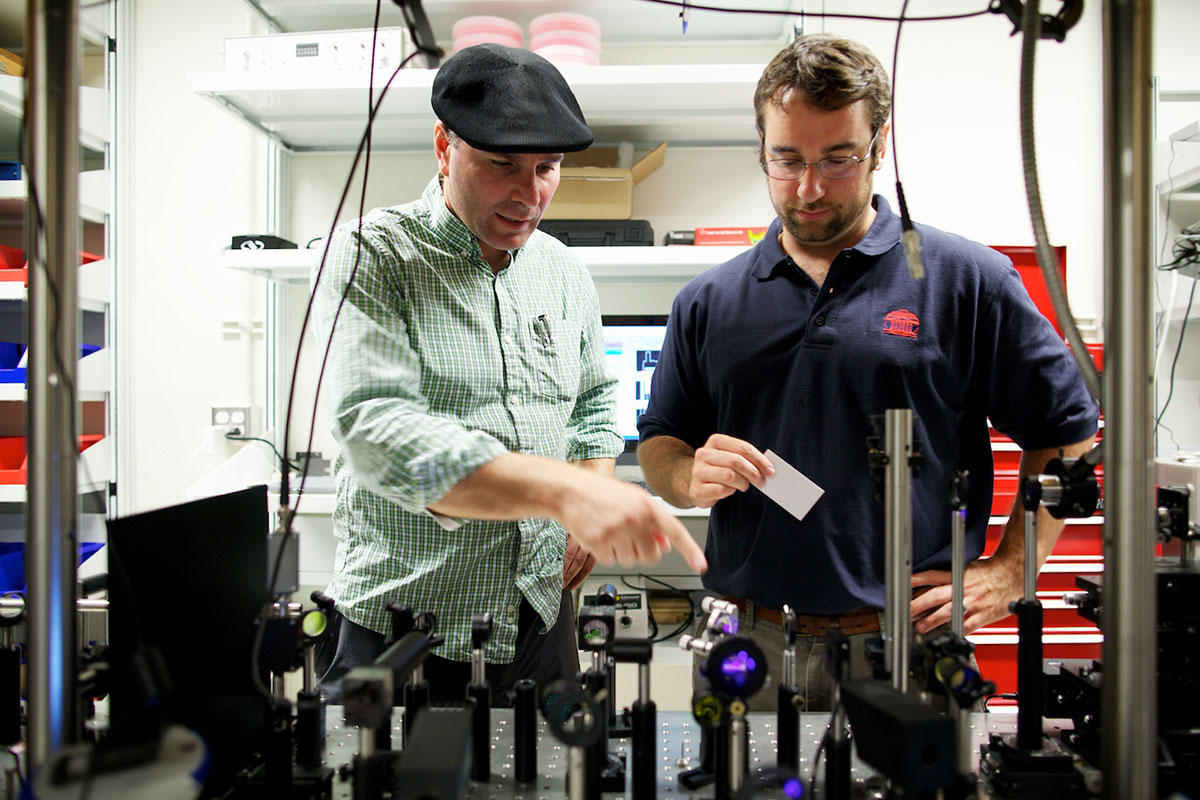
737, 667
730, 626
793, 788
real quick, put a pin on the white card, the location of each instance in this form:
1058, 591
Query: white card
791, 488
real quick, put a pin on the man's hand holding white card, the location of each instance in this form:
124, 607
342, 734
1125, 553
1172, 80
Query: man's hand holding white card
725, 465
791, 488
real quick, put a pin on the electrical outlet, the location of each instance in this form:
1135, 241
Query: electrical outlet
236, 419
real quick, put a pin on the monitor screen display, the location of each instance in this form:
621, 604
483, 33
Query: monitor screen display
632, 344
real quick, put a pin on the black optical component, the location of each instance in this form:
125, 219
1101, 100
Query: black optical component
737, 667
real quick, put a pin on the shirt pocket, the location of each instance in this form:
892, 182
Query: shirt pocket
556, 359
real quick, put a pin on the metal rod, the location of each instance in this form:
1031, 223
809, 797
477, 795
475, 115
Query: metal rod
1128, 745
577, 784
898, 424
964, 754
83, 604
52, 163
310, 668
958, 555
1031, 569
478, 667
837, 757
643, 682
838, 725
366, 743
737, 754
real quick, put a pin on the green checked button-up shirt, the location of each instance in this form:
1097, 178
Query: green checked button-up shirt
437, 367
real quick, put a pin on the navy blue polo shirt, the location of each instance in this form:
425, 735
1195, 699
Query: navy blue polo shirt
756, 350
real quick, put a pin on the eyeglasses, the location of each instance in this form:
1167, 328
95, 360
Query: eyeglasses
834, 167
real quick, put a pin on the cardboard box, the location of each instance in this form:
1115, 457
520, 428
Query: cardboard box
11, 64
592, 187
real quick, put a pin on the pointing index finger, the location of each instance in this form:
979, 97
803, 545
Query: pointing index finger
679, 537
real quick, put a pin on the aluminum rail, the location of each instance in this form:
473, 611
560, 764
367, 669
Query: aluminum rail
52, 164
1130, 722
898, 445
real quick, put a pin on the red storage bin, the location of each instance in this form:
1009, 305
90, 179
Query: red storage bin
14, 458
1024, 258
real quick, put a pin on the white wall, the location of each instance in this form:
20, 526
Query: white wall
195, 175
956, 119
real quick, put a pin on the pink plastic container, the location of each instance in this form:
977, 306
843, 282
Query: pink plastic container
567, 37
470, 31
568, 55
564, 21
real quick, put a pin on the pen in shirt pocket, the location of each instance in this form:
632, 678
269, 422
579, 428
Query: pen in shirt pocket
541, 326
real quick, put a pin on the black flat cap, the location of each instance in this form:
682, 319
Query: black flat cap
508, 100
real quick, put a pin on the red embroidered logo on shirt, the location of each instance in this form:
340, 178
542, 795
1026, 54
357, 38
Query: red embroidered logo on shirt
901, 322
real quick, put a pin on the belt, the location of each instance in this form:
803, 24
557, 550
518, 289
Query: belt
860, 620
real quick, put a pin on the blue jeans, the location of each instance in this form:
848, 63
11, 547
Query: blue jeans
539, 658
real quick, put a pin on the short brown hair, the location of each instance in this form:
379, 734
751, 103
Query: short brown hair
829, 73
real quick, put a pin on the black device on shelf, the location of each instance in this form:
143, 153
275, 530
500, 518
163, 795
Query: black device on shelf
679, 237
260, 241
600, 232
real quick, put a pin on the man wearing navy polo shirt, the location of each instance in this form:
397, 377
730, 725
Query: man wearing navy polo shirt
795, 344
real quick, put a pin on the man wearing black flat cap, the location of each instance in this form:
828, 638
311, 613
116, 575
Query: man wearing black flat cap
471, 399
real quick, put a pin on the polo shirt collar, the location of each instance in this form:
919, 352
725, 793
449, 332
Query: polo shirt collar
444, 224
883, 235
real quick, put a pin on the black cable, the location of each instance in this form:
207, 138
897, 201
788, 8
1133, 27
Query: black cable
1178, 350
364, 142
321, 271
1001, 695
683, 626
680, 4
1162, 251
362, 205
1186, 250
649, 614
39, 224
65, 377
816, 766
1159, 330
282, 458
892, 99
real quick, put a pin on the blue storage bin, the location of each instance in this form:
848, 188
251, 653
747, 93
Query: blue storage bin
11, 354
12, 563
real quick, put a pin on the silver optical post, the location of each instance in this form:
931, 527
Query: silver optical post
898, 451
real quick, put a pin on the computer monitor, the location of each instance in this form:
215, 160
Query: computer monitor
186, 584
632, 344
